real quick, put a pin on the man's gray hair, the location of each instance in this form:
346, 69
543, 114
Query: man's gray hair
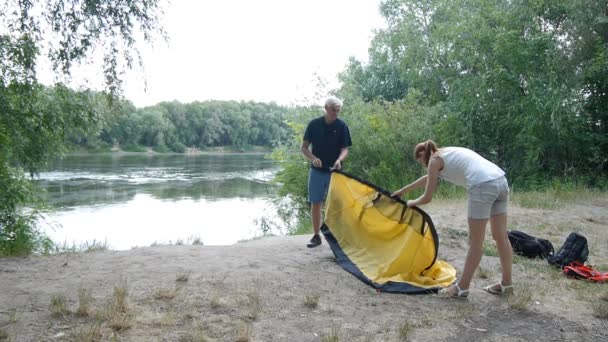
333, 101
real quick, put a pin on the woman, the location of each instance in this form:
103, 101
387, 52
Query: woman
488, 195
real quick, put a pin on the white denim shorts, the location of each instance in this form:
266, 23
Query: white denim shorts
488, 199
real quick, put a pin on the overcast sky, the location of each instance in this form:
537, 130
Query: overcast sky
261, 50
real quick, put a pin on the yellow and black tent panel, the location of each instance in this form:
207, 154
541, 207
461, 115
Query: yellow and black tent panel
380, 240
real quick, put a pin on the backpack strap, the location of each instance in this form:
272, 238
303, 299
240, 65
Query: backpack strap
579, 270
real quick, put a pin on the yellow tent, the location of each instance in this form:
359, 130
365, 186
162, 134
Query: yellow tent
380, 240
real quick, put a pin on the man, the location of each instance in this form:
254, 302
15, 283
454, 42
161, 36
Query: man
330, 139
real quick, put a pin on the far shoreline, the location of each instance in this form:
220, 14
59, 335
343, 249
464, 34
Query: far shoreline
189, 151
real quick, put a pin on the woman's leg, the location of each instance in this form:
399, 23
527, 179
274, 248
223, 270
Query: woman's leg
477, 230
499, 232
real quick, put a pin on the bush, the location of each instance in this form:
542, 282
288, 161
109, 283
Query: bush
161, 149
18, 232
178, 147
134, 148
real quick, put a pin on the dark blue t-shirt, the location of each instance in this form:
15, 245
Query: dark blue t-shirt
327, 140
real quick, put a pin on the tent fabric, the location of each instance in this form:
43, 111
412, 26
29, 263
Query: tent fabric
381, 241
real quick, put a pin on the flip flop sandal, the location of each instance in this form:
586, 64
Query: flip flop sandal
502, 290
460, 293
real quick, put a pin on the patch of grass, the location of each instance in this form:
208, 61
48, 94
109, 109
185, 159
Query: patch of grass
332, 336
120, 301
311, 301
520, 299
165, 294
243, 333
196, 335
483, 272
600, 310
536, 200
166, 320
59, 306
600, 307
86, 247
405, 329
195, 240
216, 303
120, 322
3, 335
302, 227
426, 321
489, 248
134, 148
254, 303
454, 233
88, 333
182, 277
12, 316
117, 311
84, 302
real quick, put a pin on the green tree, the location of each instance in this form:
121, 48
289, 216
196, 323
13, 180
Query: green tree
34, 119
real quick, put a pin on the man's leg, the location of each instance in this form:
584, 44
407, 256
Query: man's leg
318, 183
315, 210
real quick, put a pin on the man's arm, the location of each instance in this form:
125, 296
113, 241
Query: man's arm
308, 154
341, 157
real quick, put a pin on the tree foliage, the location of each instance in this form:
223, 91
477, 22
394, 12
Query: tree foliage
522, 82
173, 126
34, 119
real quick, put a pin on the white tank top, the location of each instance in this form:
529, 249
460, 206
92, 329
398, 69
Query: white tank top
464, 167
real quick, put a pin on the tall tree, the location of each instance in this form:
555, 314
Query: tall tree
32, 127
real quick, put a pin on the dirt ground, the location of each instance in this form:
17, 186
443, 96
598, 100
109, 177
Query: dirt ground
276, 289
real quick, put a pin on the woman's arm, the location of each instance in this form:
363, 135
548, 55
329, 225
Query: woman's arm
435, 165
419, 183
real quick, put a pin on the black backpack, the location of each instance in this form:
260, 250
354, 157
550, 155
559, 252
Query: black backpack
529, 246
574, 249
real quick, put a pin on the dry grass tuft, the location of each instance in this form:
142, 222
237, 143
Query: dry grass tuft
88, 333
405, 329
117, 311
59, 306
165, 294
12, 316
489, 248
484, 272
332, 336
254, 304
243, 333
165, 320
182, 277
311, 301
196, 335
520, 299
84, 302
121, 322
600, 307
216, 302
120, 300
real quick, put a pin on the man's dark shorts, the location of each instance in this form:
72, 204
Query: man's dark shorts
318, 184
